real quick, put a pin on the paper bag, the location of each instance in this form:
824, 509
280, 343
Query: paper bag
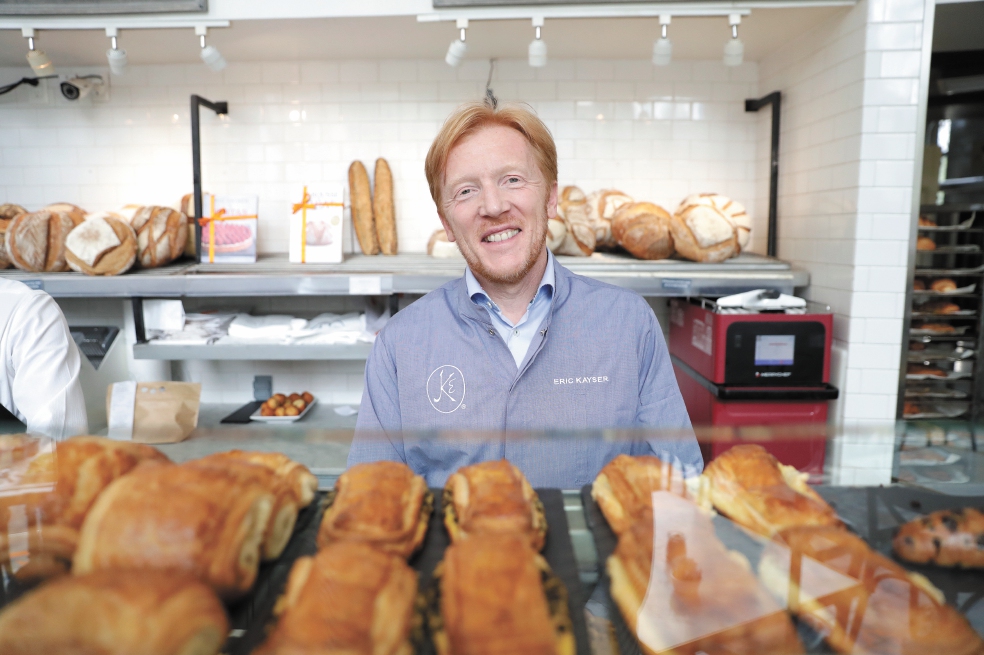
153, 412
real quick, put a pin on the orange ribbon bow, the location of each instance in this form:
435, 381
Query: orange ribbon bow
302, 206
210, 222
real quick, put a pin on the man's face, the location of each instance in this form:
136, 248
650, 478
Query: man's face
496, 204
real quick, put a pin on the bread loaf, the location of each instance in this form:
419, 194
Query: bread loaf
439, 246
8, 212
162, 235
360, 199
556, 233
36, 241
579, 234
731, 210
702, 233
383, 211
602, 206
643, 229
76, 212
104, 244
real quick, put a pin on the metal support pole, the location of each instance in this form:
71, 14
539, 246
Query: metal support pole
219, 108
138, 320
774, 99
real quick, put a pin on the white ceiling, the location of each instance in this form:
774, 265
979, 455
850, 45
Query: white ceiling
763, 32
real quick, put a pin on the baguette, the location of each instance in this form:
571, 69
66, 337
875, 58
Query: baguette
952, 538
383, 210
360, 199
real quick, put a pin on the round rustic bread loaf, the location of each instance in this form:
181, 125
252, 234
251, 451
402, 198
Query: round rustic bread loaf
8, 212
187, 207
732, 210
76, 212
643, 229
162, 234
602, 206
439, 246
36, 241
702, 233
103, 244
579, 236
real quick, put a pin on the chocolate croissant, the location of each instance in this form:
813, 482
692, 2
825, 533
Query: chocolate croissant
944, 538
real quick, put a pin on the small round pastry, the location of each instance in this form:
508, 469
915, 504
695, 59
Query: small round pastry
925, 244
943, 285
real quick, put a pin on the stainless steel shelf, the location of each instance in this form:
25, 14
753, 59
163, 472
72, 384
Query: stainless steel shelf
258, 352
410, 273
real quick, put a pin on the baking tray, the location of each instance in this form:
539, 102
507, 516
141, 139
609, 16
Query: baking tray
252, 618
874, 513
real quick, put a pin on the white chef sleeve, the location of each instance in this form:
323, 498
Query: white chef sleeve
43, 370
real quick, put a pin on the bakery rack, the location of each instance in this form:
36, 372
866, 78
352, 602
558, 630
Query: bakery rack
945, 344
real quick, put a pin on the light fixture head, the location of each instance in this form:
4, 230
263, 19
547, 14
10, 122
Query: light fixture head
734, 49
210, 54
116, 56
662, 48
39, 62
458, 47
538, 47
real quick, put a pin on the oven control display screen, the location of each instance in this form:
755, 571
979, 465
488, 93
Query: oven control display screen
774, 349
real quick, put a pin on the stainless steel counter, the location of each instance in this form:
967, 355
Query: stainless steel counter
273, 275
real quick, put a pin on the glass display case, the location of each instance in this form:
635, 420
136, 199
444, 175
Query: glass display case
258, 539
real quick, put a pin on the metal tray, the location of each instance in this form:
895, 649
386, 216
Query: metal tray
874, 513
252, 618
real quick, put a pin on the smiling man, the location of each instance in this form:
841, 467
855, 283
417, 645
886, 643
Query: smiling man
519, 343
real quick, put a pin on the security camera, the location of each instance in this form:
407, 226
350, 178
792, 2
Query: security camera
79, 87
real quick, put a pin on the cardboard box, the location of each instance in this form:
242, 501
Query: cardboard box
232, 220
316, 226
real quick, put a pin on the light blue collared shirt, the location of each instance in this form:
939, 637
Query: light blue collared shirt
518, 336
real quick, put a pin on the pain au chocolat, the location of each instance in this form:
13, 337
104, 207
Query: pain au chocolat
185, 519
51, 488
382, 504
346, 599
115, 613
952, 538
624, 488
495, 595
860, 600
681, 591
750, 486
492, 497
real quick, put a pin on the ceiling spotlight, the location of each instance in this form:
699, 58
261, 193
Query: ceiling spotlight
115, 55
458, 47
662, 48
538, 47
734, 49
210, 54
40, 62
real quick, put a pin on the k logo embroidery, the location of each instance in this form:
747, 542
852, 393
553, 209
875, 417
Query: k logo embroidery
446, 389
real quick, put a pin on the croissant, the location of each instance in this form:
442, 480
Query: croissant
346, 599
283, 512
198, 520
493, 497
643, 229
751, 487
59, 486
382, 504
860, 600
116, 613
681, 591
624, 488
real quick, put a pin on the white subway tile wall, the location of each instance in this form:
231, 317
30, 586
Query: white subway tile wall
848, 142
656, 133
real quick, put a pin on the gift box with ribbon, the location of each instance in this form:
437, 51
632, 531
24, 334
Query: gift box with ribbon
228, 228
316, 226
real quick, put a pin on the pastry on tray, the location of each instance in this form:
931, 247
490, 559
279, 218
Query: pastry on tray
925, 244
302, 482
186, 519
860, 600
490, 497
348, 598
55, 492
935, 328
624, 488
940, 307
750, 486
381, 504
926, 222
116, 613
496, 595
953, 538
681, 590
925, 369
910, 409
283, 509
943, 285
